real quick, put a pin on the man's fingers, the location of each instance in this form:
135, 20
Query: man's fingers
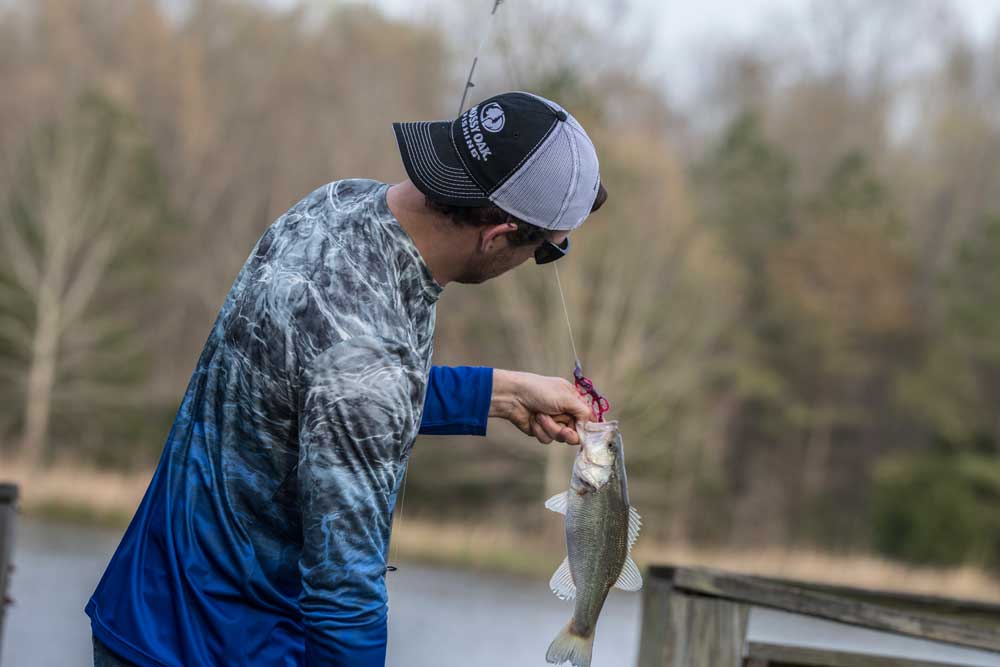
556, 427
539, 432
549, 425
568, 435
565, 420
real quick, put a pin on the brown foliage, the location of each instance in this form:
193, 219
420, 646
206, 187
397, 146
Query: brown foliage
754, 327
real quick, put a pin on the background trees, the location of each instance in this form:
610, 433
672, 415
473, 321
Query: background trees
85, 206
792, 297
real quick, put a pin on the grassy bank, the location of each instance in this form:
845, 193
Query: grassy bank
70, 492
494, 548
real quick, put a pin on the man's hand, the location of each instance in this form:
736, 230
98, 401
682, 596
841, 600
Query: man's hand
544, 407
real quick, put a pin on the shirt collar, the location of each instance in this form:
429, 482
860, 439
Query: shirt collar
430, 287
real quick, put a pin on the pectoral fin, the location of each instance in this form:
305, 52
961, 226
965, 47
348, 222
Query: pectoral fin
558, 502
630, 579
561, 582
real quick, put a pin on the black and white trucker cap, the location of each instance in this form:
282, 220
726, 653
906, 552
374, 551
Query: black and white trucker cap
519, 151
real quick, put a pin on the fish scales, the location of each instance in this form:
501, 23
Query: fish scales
596, 537
600, 530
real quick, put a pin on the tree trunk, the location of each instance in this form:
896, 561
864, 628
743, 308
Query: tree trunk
42, 372
38, 398
558, 467
817, 454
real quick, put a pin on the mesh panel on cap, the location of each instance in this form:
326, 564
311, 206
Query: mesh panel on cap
588, 178
539, 191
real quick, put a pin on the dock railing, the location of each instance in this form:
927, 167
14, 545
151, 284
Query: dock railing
697, 617
8, 513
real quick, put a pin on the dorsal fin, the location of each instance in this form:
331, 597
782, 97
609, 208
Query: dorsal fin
634, 524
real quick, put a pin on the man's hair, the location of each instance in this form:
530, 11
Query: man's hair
487, 216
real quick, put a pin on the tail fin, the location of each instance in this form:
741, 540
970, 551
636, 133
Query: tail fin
568, 647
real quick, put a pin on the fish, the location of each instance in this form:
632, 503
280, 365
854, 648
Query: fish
601, 527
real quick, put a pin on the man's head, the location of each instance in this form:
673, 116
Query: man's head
503, 242
517, 168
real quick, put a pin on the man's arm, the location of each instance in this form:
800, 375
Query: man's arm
460, 399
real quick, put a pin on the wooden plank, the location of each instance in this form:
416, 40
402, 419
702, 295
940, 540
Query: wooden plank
8, 500
653, 638
823, 637
704, 631
675, 642
680, 630
987, 612
823, 605
716, 631
800, 655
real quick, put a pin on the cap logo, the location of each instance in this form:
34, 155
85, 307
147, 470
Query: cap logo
492, 117
474, 139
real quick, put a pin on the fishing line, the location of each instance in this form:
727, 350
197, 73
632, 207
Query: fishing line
569, 326
578, 369
555, 267
398, 516
399, 520
599, 404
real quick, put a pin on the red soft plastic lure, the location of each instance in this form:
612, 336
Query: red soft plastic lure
598, 403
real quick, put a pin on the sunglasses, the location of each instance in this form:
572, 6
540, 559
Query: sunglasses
550, 252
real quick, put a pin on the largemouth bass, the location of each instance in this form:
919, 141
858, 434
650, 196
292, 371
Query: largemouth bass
601, 528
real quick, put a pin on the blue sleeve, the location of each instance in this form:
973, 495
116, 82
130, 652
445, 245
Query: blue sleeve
458, 400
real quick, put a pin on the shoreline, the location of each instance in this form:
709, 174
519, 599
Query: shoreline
82, 496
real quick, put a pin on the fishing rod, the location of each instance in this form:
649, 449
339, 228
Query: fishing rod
469, 84
598, 403
475, 60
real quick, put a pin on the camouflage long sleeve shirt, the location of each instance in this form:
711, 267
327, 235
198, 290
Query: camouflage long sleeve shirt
279, 476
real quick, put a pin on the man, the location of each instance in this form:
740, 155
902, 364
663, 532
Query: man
263, 536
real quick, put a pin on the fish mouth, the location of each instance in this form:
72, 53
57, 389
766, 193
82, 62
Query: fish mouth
599, 427
594, 465
592, 477
591, 462
585, 455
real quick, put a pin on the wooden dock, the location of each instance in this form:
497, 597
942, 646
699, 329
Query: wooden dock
696, 617
8, 509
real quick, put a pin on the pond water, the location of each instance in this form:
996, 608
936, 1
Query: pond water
438, 617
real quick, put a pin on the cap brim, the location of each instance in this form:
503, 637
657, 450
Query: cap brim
433, 165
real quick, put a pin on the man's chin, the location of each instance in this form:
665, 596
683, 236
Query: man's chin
476, 279
480, 274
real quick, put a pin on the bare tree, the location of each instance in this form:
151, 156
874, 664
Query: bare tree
85, 193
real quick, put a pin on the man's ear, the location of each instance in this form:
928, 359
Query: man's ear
490, 236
